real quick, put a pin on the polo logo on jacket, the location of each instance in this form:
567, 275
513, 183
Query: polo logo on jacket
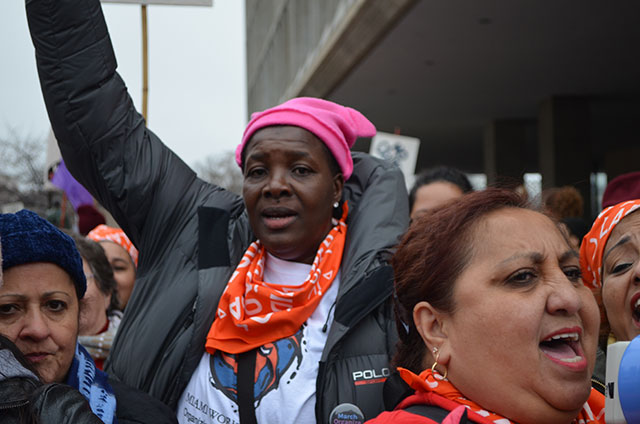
371, 376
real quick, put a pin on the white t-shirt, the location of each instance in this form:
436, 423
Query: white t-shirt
288, 372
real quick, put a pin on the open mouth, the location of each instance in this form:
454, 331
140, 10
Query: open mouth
278, 218
564, 348
635, 309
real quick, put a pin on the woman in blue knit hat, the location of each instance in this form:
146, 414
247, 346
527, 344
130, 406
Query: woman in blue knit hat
39, 312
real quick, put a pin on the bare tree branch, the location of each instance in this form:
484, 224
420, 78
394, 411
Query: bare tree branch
22, 173
221, 170
23, 159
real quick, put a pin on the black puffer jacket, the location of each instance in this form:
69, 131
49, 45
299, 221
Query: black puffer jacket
23, 398
22, 395
191, 234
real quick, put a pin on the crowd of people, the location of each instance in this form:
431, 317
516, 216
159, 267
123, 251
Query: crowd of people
325, 293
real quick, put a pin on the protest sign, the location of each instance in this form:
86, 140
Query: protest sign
399, 149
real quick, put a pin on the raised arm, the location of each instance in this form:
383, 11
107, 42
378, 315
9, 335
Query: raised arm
103, 139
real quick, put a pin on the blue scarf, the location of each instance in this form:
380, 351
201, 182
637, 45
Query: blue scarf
93, 384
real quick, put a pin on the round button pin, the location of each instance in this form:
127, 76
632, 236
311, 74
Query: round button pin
346, 413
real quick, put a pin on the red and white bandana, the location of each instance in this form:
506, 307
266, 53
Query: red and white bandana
429, 381
116, 235
252, 312
593, 243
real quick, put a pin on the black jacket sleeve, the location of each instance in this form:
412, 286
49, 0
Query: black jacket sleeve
61, 404
151, 193
136, 407
103, 140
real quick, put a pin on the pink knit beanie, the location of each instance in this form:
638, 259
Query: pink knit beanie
335, 125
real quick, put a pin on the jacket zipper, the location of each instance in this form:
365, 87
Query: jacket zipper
15, 404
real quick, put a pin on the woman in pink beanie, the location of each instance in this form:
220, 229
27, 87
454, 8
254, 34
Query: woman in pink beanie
270, 307
336, 126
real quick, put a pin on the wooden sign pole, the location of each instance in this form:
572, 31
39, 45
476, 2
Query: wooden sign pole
145, 65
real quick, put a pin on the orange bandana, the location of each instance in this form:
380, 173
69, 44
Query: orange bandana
428, 381
592, 247
116, 235
252, 312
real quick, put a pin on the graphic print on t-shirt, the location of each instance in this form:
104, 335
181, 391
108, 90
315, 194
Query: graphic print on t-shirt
272, 362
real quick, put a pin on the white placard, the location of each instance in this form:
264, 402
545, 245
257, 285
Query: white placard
165, 2
399, 149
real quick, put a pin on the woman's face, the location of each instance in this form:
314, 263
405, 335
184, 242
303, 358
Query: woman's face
621, 278
39, 313
93, 306
522, 337
289, 191
124, 271
433, 195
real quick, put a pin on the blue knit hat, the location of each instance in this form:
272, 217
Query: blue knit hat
27, 238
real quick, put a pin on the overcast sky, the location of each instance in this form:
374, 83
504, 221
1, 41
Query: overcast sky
197, 77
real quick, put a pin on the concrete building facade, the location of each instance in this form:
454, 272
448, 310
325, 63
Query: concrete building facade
500, 88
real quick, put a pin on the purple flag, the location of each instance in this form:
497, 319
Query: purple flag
77, 194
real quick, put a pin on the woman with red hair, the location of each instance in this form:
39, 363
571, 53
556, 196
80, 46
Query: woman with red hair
495, 324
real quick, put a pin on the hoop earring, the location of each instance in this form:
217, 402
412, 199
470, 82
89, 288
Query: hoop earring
433, 367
